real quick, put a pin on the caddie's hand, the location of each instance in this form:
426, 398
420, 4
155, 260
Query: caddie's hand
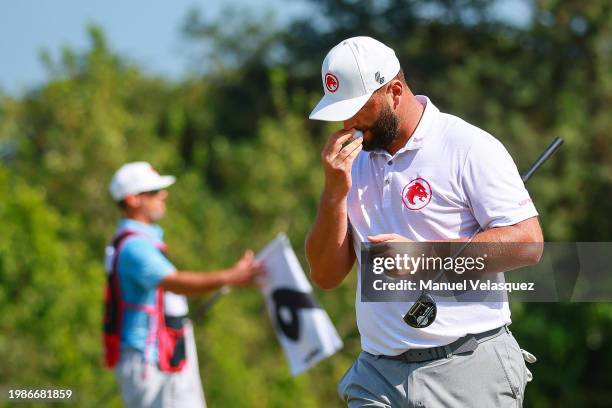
245, 271
388, 238
338, 160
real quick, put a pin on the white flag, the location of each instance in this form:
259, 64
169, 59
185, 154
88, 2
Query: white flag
303, 328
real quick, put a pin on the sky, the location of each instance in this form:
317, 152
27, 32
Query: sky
148, 31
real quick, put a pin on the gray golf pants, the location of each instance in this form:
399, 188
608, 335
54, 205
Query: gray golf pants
144, 386
493, 375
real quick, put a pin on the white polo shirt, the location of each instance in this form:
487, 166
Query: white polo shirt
449, 179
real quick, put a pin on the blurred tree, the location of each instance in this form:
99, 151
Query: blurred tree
47, 283
247, 159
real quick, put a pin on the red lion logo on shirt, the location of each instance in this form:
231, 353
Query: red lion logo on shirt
416, 191
416, 194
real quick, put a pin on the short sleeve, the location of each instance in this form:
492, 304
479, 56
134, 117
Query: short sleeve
141, 262
493, 187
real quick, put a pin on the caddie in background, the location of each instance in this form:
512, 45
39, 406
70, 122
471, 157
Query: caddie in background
417, 174
148, 338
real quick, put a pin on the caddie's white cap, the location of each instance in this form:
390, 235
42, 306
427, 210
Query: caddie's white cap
351, 72
135, 178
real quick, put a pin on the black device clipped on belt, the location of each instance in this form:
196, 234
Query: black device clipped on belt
424, 310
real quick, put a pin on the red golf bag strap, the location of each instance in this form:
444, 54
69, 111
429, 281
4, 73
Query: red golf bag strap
114, 306
170, 340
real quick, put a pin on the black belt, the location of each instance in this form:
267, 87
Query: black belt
461, 345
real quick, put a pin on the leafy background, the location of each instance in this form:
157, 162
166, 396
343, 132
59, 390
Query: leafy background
237, 136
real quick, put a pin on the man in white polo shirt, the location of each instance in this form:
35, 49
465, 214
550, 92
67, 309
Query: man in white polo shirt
423, 175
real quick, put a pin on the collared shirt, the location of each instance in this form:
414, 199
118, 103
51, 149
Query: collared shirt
447, 181
141, 267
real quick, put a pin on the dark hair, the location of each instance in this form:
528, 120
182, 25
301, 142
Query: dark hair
400, 76
122, 204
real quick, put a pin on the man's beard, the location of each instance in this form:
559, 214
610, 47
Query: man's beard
384, 131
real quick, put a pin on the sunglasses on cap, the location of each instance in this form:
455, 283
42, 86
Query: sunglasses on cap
150, 193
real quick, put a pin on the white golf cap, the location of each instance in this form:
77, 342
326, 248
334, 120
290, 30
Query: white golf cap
351, 72
135, 178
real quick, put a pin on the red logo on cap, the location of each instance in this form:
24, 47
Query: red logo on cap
416, 194
331, 82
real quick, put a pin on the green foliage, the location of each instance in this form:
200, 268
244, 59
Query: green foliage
247, 161
50, 293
